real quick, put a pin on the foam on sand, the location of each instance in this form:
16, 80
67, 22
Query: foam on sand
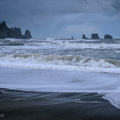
62, 81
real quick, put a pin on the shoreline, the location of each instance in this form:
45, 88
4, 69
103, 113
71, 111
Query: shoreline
26, 105
53, 104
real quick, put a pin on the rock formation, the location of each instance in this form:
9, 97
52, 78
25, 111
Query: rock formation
84, 37
95, 36
72, 38
108, 36
6, 32
27, 34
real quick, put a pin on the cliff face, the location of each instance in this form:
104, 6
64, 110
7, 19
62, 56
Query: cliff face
6, 32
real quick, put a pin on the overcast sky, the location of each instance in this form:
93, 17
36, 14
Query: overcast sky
63, 18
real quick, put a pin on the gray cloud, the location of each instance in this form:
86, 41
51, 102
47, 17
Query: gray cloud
29, 10
59, 6
116, 5
44, 15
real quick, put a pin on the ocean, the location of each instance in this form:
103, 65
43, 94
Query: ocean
61, 75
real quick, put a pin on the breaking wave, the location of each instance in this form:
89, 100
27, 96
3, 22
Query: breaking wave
69, 62
71, 44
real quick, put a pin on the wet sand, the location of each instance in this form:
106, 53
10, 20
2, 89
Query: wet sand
24, 105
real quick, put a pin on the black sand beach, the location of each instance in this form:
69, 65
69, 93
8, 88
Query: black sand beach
24, 105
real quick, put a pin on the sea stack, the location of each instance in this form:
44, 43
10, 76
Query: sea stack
72, 38
108, 36
84, 37
95, 36
14, 32
27, 34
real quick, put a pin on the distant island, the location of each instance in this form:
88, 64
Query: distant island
96, 36
14, 32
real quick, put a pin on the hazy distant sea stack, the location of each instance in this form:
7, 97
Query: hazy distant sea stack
95, 36
108, 36
6, 32
84, 37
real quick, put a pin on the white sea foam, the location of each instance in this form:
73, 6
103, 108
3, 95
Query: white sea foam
113, 97
67, 72
62, 81
66, 44
117, 51
58, 47
69, 44
60, 62
89, 40
49, 39
91, 45
11, 39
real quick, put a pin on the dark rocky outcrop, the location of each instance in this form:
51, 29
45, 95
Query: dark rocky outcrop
84, 37
27, 34
95, 36
6, 32
108, 36
72, 38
